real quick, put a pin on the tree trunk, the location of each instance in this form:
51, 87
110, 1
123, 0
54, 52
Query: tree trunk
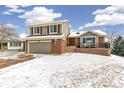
1, 46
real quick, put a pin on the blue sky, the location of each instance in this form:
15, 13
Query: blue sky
102, 17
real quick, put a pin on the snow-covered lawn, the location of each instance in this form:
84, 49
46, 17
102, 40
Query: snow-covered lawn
10, 54
66, 70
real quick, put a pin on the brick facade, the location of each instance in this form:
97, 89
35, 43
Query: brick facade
58, 46
99, 51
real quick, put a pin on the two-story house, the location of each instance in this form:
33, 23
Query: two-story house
55, 37
47, 37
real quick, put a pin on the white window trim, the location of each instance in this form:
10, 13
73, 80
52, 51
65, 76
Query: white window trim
50, 29
36, 31
15, 44
96, 39
62, 28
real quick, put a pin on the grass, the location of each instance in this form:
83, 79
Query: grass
8, 62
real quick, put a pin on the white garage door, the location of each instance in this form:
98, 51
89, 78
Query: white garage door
40, 47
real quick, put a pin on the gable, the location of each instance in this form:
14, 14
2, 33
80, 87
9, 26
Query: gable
89, 34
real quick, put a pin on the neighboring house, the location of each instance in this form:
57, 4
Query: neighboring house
14, 45
47, 37
91, 39
92, 42
18, 45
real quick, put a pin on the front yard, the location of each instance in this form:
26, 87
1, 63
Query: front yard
9, 58
66, 70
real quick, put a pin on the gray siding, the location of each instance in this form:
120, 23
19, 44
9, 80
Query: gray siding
40, 47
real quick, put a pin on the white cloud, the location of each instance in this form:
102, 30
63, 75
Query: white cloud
22, 35
110, 10
6, 13
24, 6
11, 6
81, 28
73, 30
112, 15
12, 26
13, 9
40, 14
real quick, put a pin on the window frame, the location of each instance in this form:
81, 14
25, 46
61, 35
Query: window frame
50, 28
15, 44
93, 37
35, 31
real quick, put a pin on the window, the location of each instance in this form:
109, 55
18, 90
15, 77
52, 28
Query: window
15, 44
11, 44
19, 44
36, 30
89, 40
53, 28
83, 40
31, 30
93, 39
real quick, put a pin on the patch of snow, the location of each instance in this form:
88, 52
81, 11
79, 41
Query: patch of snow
10, 54
99, 32
76, 34
66, 70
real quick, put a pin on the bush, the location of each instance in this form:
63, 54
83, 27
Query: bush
118, 46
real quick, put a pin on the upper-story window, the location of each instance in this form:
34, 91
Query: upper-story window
53, 28
36, 30
31, 30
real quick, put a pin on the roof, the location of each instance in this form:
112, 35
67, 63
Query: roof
78, 34
99, 32
14, 39
50, 22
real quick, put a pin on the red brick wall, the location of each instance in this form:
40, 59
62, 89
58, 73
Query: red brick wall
99, 51
58, 46
62, 45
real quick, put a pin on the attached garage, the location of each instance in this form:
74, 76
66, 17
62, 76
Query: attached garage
40, 47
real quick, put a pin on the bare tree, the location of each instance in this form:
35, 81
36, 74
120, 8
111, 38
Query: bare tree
7, 33
111, 36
